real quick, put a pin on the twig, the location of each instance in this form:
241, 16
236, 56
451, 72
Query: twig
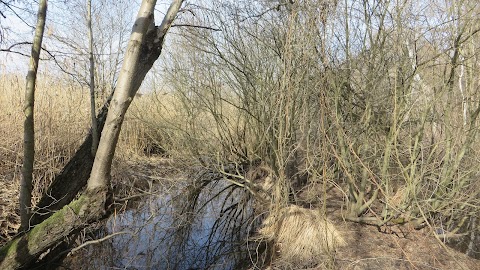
97, 241
52, 57
196, 26
133, 197
16, 14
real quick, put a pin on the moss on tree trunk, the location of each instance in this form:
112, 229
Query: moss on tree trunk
24, 250
72, 178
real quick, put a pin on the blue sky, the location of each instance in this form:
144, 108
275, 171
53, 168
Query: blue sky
20, 30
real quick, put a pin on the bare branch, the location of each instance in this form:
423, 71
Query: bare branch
50, 54
97, 241
196, 26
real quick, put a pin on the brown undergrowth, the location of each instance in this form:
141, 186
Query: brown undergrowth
380, 247
313, 233
61, 124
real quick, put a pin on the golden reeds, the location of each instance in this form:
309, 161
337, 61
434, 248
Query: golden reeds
61, 124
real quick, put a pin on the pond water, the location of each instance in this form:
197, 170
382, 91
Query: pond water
206, 227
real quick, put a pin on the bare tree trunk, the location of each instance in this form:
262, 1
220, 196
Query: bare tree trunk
75, 174
143, 50
29, 134
123, 96
92, 79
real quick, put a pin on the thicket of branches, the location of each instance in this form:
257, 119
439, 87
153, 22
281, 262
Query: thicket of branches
377, 97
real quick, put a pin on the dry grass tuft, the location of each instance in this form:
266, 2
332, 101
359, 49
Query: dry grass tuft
302, 237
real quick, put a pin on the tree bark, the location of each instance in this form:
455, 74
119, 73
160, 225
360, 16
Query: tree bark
143, 50
23, 251
29, 134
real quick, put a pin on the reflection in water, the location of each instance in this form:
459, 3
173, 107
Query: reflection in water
201, 226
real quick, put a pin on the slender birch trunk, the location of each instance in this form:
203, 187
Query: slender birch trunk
92, 79
28, 125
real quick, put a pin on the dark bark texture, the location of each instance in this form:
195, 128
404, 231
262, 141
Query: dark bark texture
73, 177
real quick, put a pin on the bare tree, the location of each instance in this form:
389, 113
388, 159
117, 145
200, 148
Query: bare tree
143, 50
92, 79
136, 65
108, 47
29, 134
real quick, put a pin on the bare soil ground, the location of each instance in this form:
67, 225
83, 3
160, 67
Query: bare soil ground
367, 248
391, 248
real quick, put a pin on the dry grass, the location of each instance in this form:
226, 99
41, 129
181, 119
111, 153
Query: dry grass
150, 125
302, 237
9, 218
61, 124
162, 118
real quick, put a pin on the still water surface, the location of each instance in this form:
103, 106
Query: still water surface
173, 231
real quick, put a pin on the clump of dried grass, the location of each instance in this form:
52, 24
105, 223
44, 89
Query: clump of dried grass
302, 237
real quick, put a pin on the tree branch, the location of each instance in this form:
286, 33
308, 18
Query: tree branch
196, 26
97, 241
52, 57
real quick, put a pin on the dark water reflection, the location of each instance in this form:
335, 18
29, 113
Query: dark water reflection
183, 228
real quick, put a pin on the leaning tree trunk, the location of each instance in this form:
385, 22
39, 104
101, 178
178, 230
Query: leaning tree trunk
143, 50
29, 134
139, 59
72, 178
